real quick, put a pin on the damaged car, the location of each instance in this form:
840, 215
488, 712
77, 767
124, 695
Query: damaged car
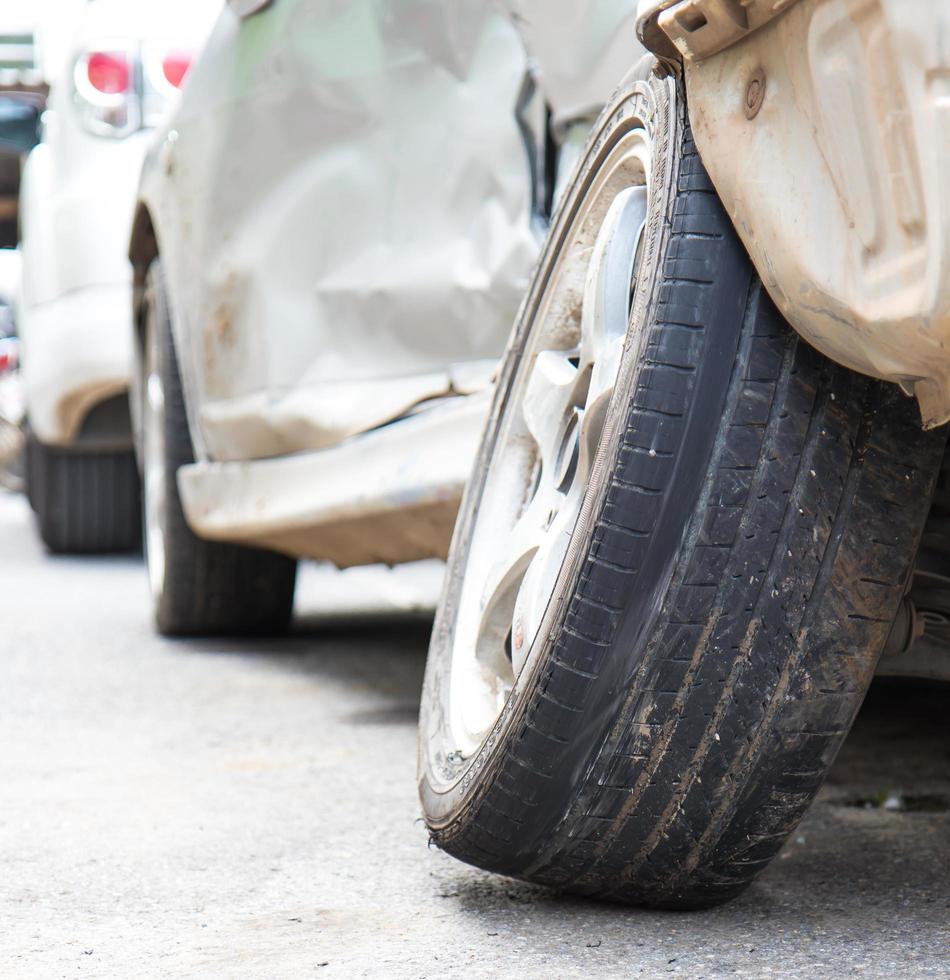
706, 500
332, 236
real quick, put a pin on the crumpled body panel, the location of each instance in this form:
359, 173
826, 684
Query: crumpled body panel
343, 212
581, 50
342, 205
347, 224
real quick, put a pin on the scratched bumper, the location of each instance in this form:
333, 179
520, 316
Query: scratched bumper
389, 495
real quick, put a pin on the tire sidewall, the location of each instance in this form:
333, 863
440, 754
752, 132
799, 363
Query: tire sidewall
448, 794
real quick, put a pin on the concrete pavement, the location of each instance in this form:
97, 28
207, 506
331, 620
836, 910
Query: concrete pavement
247, 809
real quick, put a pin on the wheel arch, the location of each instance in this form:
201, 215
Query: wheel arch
143, 250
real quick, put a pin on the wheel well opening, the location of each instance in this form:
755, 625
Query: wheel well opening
143, 250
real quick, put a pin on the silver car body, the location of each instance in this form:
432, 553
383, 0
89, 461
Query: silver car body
342, 208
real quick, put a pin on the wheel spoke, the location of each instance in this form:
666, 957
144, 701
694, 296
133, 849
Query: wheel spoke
548, 410
550, 395
608, 286
504, 578
606, 313
537, 586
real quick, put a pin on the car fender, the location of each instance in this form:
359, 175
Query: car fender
825, 131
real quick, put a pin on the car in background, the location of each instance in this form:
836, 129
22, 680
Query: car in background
125, 64
333, 233
22, 99
11, 390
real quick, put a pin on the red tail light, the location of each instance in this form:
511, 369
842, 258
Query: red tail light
123, 85
175, 66
109, 72
106, 94
9, 354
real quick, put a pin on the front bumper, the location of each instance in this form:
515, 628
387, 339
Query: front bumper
389, 495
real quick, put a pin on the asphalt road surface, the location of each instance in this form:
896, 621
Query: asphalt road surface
247, 809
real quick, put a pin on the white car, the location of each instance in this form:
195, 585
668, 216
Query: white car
333, 235
125, 64
11, 390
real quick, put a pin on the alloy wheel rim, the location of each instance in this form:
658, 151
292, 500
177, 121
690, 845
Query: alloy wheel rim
547, 443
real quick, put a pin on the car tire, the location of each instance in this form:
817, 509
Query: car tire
743, 534
199, 587
85, 502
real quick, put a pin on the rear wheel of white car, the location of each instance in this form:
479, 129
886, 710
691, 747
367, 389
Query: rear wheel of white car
682, 549
198, 586
85, 501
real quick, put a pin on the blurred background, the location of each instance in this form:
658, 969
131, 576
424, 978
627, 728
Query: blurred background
88, 81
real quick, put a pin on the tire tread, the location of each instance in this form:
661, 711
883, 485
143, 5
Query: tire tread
85, 502
211, 587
